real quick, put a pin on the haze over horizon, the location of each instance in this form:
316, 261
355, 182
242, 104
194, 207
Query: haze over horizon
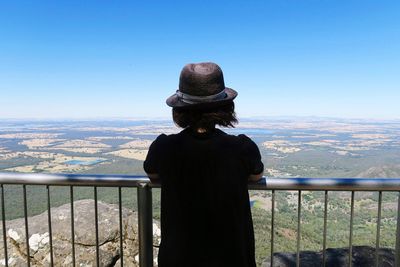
78, 60
164, 119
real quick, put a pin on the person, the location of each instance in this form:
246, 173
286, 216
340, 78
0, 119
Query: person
205, 209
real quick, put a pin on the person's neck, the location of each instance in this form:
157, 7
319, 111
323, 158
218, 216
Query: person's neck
202, 130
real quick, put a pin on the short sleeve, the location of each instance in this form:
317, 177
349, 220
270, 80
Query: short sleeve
151, 164
251, 155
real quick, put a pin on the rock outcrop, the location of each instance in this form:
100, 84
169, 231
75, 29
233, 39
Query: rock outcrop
85, 238
363, 256
109, 243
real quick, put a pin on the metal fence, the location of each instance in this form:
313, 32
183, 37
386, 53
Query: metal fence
144, 197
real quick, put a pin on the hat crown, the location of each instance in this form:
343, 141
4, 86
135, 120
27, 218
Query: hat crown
201, 79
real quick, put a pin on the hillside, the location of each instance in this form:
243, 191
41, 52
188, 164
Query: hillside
384, 171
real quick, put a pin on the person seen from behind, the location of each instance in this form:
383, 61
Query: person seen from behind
205, 209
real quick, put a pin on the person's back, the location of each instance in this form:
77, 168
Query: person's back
205, 210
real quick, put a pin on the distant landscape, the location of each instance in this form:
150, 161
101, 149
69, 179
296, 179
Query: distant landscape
290, 147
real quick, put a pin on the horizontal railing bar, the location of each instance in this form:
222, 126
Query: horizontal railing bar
330, 184
72, 179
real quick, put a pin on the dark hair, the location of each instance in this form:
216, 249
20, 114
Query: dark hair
207, 119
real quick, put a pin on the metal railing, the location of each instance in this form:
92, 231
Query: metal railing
144, 189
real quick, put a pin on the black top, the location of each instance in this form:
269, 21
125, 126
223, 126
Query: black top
205, 210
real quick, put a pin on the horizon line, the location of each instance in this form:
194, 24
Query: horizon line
165, 118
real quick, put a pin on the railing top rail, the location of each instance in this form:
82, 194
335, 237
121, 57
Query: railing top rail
330, 184
72, 179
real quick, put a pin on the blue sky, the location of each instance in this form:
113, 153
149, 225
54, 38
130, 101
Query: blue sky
93, 59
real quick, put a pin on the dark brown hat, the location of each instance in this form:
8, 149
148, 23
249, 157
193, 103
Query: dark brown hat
201, 85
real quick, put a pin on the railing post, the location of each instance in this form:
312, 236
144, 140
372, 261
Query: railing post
397, 251
145, 225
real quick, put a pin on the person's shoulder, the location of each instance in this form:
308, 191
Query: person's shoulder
164, 139
246, 141
244, 138
159, 140
238, 140
241, 138
226, 136
164, 136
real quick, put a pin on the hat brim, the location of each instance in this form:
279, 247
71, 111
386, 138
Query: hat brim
175, 102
